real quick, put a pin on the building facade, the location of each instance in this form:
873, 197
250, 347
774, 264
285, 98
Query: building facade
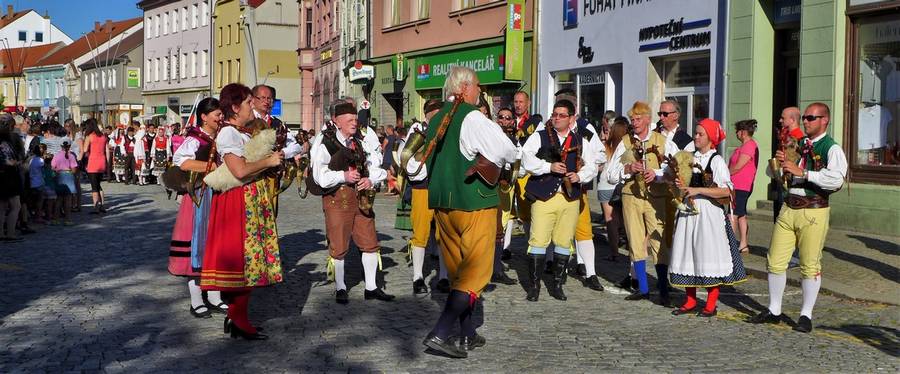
111, 87
13, 62
844, 53
322, 45
27, 28
306, 51
255, 43
415, 42
177, 56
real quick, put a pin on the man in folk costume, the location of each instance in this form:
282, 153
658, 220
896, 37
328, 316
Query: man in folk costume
422, 216
803, 222
559, 160
263, 98
344, 167
526, 124
506, 120
467, 150
368, 133
644, 196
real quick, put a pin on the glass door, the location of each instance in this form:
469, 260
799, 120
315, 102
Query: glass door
694, 103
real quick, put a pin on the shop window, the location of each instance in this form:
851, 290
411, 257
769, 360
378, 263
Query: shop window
686, 81
873, 134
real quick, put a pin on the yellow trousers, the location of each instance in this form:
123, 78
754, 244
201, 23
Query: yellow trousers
804, 229
506, 205
644, 224
467, 243
523, 205
553, 220
584, 230
421, 218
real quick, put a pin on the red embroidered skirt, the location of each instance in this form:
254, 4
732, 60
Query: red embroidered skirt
223, 261
180, 247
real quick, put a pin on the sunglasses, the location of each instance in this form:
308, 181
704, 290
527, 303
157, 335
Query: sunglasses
664, 114
560, 115
811, 118
504, 117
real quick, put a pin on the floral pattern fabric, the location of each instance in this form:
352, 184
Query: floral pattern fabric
262, 258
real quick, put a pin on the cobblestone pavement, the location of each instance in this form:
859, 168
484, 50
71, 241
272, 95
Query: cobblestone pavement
97, 297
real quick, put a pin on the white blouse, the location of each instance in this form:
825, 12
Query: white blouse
230, 140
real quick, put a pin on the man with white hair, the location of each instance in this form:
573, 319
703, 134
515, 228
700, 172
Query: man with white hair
461, 143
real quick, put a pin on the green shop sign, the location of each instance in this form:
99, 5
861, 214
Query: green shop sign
432, 70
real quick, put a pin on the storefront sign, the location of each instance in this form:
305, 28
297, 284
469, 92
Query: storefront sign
431, 71
187, 109
360, 72
123, 107
159, 109
515, 40
585, 53
591, 78
398, 66
137, 107
570, 14
592, 7
134, 78
326, 55
674, 31
787, 11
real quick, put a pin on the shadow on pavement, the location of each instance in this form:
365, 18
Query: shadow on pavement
884, 339
888, 272
882, 246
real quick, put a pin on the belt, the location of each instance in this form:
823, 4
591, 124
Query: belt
806, 202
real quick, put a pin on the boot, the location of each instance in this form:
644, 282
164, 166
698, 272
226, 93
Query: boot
534, 273
560, 263
662, 284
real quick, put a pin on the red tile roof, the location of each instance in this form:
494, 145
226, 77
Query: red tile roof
7, 18
16, 59
88, 42
135, 40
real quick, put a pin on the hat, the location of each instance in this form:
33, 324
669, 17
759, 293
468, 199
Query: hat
433, 104
345, 108
713, 131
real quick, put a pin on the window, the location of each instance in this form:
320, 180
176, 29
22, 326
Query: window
165, 68
184, 59
156, 70
84, 86
103, 79
463, 4
148, 68
148, 23
237, 68
219, 36
112, 78
228, 71
175, 21
38, 36
204, 14
228, 42
424, 8
204, 62
156, 26
194, 16
194, 64
184, 19
93, 81
221, 74
173, 68
237, 34
309, 33
392, 13
23, 36
165, 27
873, 141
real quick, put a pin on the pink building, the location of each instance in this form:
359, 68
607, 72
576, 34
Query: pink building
319, 60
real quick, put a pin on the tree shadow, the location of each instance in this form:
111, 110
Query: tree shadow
883, 246
885, 339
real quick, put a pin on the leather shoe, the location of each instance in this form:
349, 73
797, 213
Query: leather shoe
665, 301
625, 283
707, 314
419, 287
468, 343
638, 296
765, 317
443, 286
593, 283
506, 255
680, 311
804, 325
502, 278
378, 294
444, 346
341, 297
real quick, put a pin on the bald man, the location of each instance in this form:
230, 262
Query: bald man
790, 119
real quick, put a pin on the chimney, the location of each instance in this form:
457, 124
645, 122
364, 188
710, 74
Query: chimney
9, 11
107, 25
96, 26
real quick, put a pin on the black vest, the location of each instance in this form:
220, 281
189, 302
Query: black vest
705, 179
342, 158
543, 187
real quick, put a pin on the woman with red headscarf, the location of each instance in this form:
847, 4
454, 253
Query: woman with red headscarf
705, 252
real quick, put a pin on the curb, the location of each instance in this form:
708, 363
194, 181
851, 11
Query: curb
793, 281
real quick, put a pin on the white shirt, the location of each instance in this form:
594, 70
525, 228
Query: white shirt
327, 178
670, 136
831, 177
872, 130
291, 147
589, 153
480, 135
187, 150
232, 141
603, 162
617, 169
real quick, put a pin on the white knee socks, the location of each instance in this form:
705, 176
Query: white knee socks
810, 291
578, 257
418, 260
196, 293
776, 292
585, 250
339, 275
370, 266
507, 234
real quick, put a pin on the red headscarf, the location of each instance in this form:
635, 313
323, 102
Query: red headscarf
713, 130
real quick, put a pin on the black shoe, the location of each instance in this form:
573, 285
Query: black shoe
765, 317
468, 343
443, 286
378, 294
559, 276
804, 325
341, 297
638, 296
581, 270
680, 311
593, 283
26, 230
195, 311
625, 283
665, 301
502, 278
221, 308
534, 275
237, 332
506, 255
419, 287
704, 313
444, 346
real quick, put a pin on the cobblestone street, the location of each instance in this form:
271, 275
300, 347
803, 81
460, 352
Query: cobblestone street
97, 297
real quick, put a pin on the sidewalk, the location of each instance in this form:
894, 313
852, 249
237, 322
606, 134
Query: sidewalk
854, 265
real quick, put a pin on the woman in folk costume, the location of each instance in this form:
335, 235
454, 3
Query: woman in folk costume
705, 251
161, 152
118, 140
196, 154
242, 241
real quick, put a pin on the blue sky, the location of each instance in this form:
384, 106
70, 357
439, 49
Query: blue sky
74, 17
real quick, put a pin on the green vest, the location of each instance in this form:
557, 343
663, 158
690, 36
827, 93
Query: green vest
631, 187
820, 148
448, 187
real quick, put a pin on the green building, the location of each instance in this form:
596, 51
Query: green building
844, 53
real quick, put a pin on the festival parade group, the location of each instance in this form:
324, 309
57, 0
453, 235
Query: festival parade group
469, 178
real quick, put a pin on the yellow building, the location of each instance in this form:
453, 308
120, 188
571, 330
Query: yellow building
256, 44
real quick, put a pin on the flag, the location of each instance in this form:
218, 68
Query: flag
192, 120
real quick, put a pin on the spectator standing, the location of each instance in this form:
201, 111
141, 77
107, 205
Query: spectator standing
742, 166
11, 187
98, 153
65, 165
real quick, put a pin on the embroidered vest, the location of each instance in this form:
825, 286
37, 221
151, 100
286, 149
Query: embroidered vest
819, 155
543, 187
655, 189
